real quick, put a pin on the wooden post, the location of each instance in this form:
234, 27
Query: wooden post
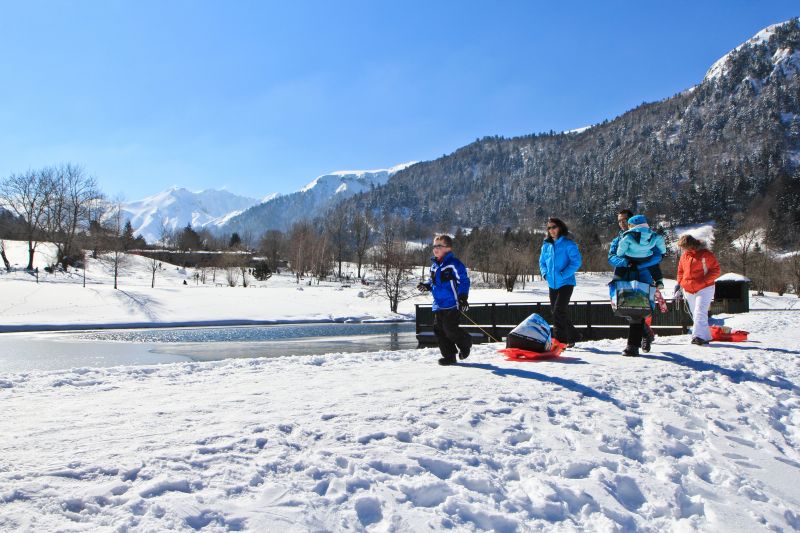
494, 320
589, 320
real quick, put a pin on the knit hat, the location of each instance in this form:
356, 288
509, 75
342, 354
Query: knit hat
637, 220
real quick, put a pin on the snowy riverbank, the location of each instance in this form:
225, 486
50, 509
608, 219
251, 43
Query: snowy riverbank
686, 438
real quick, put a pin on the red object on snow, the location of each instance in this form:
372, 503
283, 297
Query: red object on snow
516, 354
721, 333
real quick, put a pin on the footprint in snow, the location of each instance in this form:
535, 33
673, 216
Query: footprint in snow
427, 495
626, 491
743, 442
368, 511
437, 467
162, 486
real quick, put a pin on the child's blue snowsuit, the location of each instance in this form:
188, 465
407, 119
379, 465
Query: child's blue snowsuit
642, 248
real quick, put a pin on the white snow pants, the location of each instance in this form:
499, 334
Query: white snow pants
699, 303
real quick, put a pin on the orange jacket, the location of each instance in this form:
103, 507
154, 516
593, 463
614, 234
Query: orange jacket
697, 270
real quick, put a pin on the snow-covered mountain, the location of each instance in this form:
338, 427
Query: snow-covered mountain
324, 191
176, 207
786, 58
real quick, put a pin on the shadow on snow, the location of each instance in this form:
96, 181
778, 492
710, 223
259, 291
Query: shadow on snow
736, 376
562, 382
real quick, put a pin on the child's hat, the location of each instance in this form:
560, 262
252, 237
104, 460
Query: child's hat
637, 220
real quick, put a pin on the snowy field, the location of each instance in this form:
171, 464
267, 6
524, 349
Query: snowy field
686, 438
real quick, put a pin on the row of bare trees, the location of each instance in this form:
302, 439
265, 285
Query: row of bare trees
54, 204
319, 249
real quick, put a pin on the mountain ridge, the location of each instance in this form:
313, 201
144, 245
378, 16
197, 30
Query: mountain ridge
312, 200
176, 207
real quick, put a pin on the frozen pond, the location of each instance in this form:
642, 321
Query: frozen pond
21, 352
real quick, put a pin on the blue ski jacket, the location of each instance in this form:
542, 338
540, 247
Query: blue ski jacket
559, 261
640, 243
621, 262
448, 281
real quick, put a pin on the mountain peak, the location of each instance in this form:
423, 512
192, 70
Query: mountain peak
722, 65
338, 176
177, 206
323, 192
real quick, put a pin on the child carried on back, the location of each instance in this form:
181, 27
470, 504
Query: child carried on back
643, 248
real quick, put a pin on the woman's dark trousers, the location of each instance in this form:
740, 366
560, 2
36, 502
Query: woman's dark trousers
635, 332
564, 328
451, 337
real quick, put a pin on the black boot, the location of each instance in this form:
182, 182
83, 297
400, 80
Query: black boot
464, 351
447, 361
631, 351
577, 338
647, 340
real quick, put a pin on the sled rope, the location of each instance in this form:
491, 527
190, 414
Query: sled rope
477, 326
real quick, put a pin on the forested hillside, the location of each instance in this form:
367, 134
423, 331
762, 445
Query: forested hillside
725, 149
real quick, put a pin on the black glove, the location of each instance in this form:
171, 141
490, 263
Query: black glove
463, 304
423, 288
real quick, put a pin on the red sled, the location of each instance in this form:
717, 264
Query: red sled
726, 334
517, 354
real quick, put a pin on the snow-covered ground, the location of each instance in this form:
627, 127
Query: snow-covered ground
685, 438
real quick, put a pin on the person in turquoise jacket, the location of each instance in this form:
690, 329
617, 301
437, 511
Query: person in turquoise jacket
642, 248
558, 262
626, 270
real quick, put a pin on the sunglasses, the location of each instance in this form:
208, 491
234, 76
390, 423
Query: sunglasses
552, 227
439, 246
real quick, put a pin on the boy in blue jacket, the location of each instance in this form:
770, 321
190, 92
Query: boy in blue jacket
642, 248
449, 284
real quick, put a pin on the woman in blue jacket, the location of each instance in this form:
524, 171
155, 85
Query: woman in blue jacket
558, 262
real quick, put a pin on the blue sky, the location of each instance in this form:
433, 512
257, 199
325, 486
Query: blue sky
261, 97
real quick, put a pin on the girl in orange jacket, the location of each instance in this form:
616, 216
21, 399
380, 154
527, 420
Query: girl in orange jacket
698, 269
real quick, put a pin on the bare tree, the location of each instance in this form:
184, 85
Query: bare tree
794, 269
338, 234
270, 247
3, 255
394, 263
746, 246
97, 233
301, 237
244, 269
114, 242
422, 257
27, 196
481, 252
363, 224
511, 261
155, 265
69, 209
248, 240
232, 271
321, 256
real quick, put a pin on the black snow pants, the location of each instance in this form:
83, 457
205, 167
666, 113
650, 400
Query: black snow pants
451, 337
636, 332
564, 329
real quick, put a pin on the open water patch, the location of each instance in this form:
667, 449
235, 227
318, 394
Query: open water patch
276, 332
21, 352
